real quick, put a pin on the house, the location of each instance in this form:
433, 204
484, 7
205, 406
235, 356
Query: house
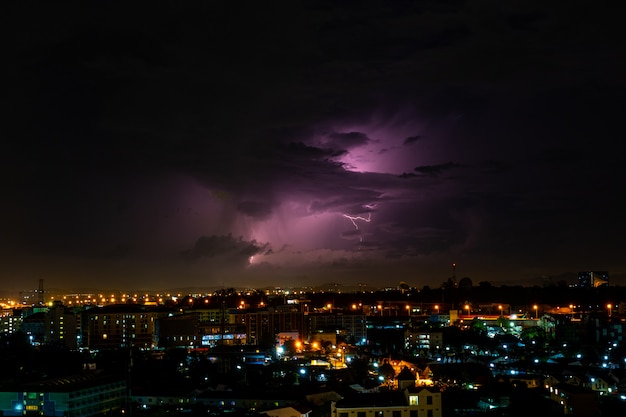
576, 400
405, 378
551, 381
413, 402
247, 400
427, 400
528, 380
291, 411
601, 384
321, 398
380, 404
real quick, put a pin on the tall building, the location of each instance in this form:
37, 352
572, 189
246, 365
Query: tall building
593, 279
116, 326
352, 325
10, 321
60, 326
263, 326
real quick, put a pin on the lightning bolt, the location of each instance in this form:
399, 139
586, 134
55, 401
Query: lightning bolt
354, 219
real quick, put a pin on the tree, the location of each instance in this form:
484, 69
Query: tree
386, 371
289, 348
504, 322
358, 369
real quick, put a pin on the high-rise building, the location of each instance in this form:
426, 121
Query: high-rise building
593, 279
60, 326
352, 325
121, 325
262, 326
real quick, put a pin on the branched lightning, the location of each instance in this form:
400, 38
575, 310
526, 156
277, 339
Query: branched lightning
354, 219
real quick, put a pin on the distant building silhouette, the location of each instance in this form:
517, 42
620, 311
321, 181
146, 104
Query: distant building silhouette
593, 279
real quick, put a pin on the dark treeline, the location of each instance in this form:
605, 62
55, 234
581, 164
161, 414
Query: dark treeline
449, 295
454, 297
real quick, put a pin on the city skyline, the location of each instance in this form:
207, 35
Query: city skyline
298, 144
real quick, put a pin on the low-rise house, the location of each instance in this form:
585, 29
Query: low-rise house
252, 400
602, 384
414, 402
321, 398
292, 411
551, 381
576, 400
528, 380
427, 401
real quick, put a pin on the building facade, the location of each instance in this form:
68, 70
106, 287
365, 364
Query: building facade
351, 326
60, 326
75, 396
263, 326
118, 326
407, 403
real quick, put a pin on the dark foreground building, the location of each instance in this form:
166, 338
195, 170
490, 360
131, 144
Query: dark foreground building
82, 395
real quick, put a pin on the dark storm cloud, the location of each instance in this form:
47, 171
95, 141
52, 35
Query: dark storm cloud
106, 106
348, 140
437, 169
412, 139
493, 167
562, 155
351, 234
350, 202
257, 209
234, 250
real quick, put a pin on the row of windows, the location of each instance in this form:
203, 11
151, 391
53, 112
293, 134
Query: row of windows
117, 386
394, 413
117, 316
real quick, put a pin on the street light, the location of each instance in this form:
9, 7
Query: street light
500, 308
467, 307
608, 307
536, 308
437, 308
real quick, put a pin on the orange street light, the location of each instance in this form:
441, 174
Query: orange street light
536, 308
467, 307
609, 307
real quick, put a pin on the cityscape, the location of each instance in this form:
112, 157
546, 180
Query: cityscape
313, 208
461, 349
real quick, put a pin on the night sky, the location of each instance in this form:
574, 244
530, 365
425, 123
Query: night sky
293, 143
